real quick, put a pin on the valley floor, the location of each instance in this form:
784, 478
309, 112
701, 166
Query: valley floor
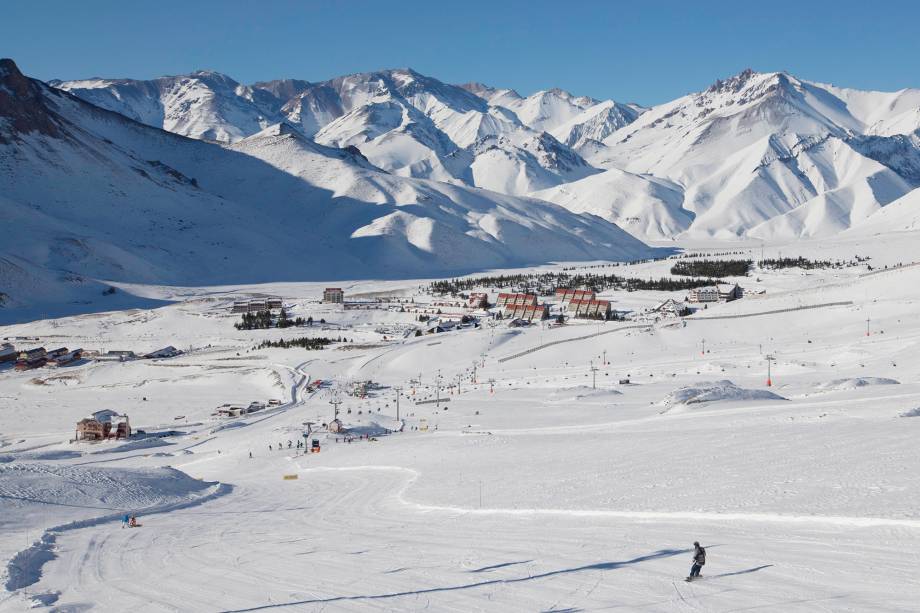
549, 493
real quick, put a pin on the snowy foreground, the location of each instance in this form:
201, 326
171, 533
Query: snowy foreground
546, 495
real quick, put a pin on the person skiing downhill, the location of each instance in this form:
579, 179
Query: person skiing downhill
699, 560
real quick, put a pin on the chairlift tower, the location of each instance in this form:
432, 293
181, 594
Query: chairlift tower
335, 402
398, 389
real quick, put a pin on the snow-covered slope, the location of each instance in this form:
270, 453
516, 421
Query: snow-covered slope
94, 195
640, 204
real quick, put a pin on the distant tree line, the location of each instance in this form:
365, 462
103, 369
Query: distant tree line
306, 342
711, 268
547, 283
799, 262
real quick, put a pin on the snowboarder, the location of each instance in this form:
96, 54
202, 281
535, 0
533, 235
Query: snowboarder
699, 560
133, 523
124, 520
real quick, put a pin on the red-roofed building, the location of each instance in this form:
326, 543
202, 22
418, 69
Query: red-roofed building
527, 312
515, 300
591, 309
564, 294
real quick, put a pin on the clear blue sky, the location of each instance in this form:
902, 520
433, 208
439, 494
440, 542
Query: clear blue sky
647, 52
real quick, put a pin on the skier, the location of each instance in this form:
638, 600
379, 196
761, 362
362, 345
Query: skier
124, 520
133, 523
269, 447
250, 455
699, 560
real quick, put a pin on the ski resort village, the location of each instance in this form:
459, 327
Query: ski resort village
383, 342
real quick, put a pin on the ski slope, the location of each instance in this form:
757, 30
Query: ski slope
544, 494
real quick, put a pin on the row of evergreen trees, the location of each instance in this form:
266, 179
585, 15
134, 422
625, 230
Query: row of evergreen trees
307, 342
799, 262
263, 320
711, 268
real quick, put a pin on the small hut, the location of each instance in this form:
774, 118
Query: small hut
336, 427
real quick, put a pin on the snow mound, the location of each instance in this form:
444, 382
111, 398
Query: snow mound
714, 391
372, 428
583, 393
83, 496
110, 489
855, 382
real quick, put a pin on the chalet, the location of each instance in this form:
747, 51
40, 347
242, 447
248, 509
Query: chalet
477, 300
89, 429
232, 410
165, 352
564, 294
100, 425
30, 364
32, 354
668, 308
272, 303
515, 300
255, 406
703, 294
334, 295
589, 308
336, 426
56, 353
7, 353
436, 325
527, 312
122, 355
722, 292
70, 356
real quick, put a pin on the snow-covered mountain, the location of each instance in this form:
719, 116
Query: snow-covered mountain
759, 154
404, 122
95, 196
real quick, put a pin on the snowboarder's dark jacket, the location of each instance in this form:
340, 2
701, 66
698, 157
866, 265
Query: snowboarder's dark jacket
699, 556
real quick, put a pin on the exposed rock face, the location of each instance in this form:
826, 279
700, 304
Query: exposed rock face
22, 107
